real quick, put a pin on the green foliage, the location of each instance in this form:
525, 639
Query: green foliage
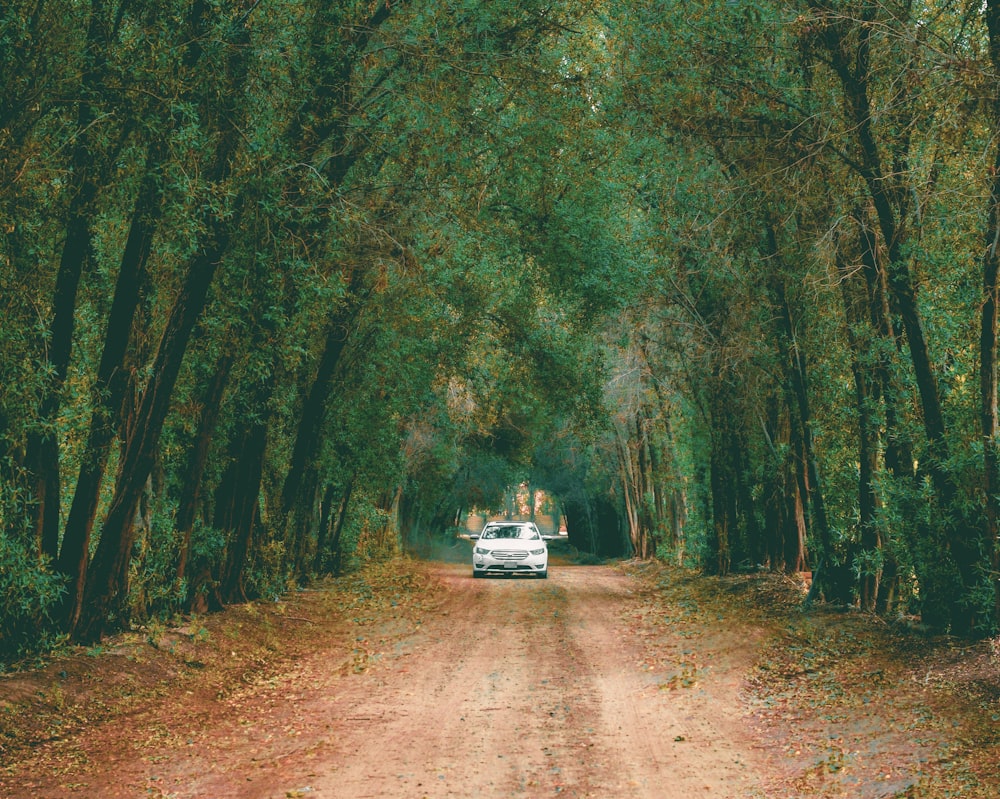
154, 590
267, 572
29, 595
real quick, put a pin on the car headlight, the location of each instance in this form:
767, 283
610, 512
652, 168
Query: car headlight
481, 551
538, 552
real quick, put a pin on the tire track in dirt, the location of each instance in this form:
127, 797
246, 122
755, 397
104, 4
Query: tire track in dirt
666, 743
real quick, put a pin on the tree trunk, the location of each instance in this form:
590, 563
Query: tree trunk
678, 523
303, 524
311, 416
581, 530
747, 548
325, 531
868, 447
626, 471
670, 500
719, 555
109, 566
110, 386
112, 376
828, 573
237, 507
897, 455
190, 497
796, 529
336, 545
645, 484
43, 449
110, 563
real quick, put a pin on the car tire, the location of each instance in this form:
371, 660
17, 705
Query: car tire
544, 575
477, 573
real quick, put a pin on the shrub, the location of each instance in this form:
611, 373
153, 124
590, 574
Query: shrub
29, 593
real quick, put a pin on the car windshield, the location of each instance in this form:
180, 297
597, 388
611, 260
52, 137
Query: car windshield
511, 531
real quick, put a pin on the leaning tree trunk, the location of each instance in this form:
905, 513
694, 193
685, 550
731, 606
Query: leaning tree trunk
109, 568
112, 382
321, 129
110, 387
104, 591
307, 438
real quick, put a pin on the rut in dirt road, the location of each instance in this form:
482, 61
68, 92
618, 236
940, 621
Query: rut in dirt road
516, 687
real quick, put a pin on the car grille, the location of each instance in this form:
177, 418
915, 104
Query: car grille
510, 555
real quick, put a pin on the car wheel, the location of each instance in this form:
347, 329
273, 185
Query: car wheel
477, 573
544, 575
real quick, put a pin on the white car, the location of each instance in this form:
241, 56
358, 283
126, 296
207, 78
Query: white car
510, 548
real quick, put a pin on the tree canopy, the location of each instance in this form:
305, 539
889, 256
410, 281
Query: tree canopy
290, 282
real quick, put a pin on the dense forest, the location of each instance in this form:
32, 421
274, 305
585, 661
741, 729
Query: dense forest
286, 284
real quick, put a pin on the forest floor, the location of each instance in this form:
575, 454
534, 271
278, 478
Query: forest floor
410, 679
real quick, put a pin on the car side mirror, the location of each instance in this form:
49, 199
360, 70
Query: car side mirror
474, 536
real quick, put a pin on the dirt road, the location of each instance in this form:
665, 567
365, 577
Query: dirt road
413, 680
507, 688
522, 688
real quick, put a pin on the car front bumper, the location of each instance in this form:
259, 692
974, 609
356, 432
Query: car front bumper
510, 563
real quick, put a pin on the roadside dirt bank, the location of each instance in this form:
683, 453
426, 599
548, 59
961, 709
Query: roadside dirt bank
413, 680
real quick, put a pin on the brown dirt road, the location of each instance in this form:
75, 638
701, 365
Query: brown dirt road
588, 684
528, 688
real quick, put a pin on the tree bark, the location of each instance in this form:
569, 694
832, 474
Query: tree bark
325, 530
827, 573
311, 416
112, 381
719, 555
336, 549
626, 471
897, 455
103, 594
